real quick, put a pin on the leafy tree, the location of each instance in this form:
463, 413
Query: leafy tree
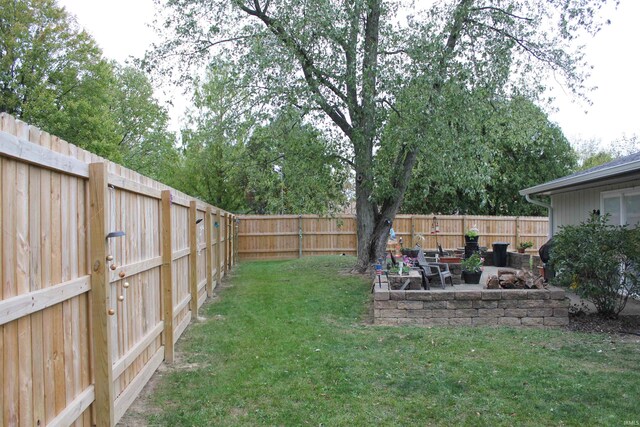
140, 125
599, 262
288, 167
513, 146
349, 60
213, 140
592, 154
53, 75
241, 158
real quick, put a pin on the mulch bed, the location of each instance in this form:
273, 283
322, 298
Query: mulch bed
623, 325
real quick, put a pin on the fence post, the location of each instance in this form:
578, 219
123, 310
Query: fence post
166, 272
218, 247
464, 226
209, 253
193, 258
517, 230
228, 245
233, 240
100, 295
236, 239
413, 233
299, 236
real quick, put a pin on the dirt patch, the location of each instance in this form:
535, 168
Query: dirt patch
142, 407
625, 327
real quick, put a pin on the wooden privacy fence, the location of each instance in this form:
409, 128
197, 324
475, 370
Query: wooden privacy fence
290, 236
87, 317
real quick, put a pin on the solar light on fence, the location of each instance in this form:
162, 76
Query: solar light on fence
115, 234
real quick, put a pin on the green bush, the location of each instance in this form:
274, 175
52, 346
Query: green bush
599, 262
473, 264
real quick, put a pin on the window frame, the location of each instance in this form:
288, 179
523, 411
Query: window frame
621, 194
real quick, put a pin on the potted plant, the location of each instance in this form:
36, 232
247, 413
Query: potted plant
396, 270
523, 246
472, 268
472, 235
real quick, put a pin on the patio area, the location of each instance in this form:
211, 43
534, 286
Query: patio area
469, 304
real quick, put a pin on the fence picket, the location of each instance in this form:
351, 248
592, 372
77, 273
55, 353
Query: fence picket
278, 236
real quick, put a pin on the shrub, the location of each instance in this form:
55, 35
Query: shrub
525, 245
473, 264
599, 262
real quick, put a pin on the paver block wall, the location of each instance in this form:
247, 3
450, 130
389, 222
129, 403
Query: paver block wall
509, 307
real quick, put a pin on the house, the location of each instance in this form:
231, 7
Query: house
612, 188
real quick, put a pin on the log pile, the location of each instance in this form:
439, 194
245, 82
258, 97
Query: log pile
510, 279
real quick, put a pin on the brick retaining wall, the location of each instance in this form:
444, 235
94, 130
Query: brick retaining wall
509, 307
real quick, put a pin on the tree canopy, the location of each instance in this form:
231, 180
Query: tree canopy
503, 147
256, 162
349, 61
53, 75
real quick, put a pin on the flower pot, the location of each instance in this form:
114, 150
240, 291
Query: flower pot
521, 250
471, 277
468, 239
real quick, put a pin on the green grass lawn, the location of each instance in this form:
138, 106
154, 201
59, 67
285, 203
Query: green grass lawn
288, 344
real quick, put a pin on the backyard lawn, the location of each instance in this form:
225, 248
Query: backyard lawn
288, 343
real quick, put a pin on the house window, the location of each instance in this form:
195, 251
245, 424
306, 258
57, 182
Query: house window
623, 206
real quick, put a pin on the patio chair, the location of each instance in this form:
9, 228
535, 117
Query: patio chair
442, 271
431, 270
442, 252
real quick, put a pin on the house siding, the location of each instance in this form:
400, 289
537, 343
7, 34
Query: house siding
574, 207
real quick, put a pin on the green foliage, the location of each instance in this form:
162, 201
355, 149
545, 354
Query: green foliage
250, 161
525, 245
473, 264
599, 262
592, 153
472, 232
288, 167
396, 270
358, 65
140, 125
289, 344
486, 158
53, 75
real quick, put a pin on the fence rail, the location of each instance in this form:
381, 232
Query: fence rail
290, 236
85, 318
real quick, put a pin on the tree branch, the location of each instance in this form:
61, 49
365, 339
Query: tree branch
394, 52
313, 76
497, 9
407, 155
207, 44
531, 49
343, 159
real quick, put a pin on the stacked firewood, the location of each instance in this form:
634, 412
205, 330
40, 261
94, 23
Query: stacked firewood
510, 279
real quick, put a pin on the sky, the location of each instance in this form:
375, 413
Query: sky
121, 29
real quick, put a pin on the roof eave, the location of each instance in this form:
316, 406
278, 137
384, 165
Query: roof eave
570, 181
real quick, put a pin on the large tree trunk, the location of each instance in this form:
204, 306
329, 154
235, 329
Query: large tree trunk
374, 224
